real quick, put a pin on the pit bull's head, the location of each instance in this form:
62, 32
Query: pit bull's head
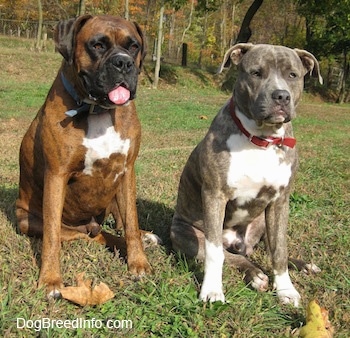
270, 80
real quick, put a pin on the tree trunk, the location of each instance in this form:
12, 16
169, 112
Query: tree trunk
186, 29
342, 91
245, 32
126, 12
40, 26
159, 46
243, 36
204, 39
81, 8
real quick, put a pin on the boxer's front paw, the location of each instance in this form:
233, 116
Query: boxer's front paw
52, 286
139, 265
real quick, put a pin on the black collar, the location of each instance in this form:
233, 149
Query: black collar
82, 105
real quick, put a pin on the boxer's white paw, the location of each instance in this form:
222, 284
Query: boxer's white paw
54, 294
211, 295
311, 268
260, 282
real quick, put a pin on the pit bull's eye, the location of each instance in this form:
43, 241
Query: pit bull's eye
256, 73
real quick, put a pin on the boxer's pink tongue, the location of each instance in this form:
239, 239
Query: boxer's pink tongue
119, 95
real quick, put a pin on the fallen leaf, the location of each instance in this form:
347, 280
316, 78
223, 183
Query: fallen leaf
317, 322
83, 294
203, 117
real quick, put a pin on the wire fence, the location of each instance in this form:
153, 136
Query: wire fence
26, 29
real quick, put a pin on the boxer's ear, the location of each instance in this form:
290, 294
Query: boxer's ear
143, 47
65, 34
310, 63
234, 55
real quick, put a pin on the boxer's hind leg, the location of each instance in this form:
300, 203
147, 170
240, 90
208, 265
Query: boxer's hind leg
191, 241
32, 226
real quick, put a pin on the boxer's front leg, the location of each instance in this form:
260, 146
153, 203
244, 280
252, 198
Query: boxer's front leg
53, 199
214, 211
126, 201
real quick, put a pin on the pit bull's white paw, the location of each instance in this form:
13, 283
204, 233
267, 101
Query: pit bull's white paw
289, 296
311, 268
260, 282
211, 295
150, 239
286, 292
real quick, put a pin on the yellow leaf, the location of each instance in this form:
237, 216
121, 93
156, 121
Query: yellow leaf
317, 322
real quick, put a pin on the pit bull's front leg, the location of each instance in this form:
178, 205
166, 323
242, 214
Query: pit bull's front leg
214, 212
276, 229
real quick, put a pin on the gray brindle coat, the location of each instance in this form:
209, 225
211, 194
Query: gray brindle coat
232, 192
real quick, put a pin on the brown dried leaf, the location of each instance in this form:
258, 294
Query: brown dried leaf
83, 294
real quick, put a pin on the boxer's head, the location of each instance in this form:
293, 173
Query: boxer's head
106, 54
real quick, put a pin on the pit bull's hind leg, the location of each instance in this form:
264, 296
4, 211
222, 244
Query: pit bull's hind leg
191, 242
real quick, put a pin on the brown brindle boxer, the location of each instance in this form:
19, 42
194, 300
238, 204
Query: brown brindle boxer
77, 157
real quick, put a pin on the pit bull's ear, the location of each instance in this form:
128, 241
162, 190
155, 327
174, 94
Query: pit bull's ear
234, 55
310, 63
143, 47
65, 34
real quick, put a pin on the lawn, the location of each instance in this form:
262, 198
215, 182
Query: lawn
174, 118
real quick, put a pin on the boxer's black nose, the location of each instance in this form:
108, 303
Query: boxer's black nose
281, 96
122, 62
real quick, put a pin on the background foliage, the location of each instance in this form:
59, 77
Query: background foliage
209, 27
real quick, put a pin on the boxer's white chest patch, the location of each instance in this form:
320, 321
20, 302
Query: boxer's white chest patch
102, 141
252, 168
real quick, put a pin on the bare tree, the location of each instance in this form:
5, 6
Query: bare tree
38, 44
81, 7
159, 45
245, 32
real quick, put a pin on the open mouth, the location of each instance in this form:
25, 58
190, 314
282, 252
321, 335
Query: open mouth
119, 95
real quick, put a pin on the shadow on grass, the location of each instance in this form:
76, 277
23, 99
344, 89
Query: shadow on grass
7, 203
154, 217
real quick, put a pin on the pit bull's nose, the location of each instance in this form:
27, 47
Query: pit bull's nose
122, 62
281, 96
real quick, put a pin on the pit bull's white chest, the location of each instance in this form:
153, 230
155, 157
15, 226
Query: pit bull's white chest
101, 141
252, 168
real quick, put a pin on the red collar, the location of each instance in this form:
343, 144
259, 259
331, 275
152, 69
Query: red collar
263, 142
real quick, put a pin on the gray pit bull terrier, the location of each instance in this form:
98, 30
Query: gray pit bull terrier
236, 184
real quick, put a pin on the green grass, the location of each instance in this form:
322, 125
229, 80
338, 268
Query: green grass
165, 303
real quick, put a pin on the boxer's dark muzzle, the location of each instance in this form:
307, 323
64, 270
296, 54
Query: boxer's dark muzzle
116, 69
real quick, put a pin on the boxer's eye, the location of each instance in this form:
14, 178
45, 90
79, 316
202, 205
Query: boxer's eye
134, 47
98, 46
